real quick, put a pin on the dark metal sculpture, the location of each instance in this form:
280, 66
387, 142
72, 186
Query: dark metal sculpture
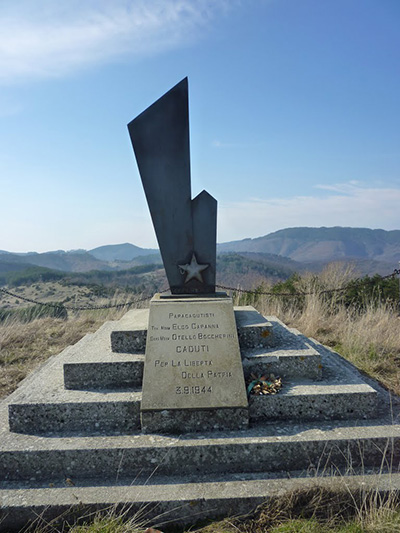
186, 229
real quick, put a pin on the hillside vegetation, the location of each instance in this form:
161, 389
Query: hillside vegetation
232, 270
324, 244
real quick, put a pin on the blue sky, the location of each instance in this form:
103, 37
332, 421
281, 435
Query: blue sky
294, 114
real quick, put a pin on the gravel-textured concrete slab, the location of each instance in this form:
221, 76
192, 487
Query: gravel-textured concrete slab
45, 406
78, 411
310, 401
254, 330
283, 447
131, 332
159, 501
264, 449
291, 355
95, 366
48, 409
105, 467
105, 374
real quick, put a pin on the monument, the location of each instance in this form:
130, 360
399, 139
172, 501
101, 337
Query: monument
193, 375
113, 421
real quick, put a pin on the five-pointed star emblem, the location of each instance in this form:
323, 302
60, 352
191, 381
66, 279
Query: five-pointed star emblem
193, 270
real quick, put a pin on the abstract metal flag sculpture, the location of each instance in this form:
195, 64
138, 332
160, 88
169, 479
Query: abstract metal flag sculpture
186, 229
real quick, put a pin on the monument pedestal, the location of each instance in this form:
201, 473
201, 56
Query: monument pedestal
78, 417
193, 375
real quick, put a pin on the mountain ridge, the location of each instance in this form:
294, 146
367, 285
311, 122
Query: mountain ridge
305, 247
306, 244
120, 252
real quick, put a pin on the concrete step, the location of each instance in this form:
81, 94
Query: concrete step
123, 371
308, 401
96, 458
68, 411
181, 501
90, 364
60, 411
291, 355
93, 365
268, 448
45, 406
129, 335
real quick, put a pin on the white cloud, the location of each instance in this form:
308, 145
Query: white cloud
48, 38
350, 204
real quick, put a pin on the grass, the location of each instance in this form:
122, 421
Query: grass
63, 292
24, 346
316, 510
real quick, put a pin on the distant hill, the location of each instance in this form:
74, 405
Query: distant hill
111, 257
65, 261
307, 245
280, 253
120, 252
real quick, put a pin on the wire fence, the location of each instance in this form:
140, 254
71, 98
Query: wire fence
256, 292
79, 307
361, 281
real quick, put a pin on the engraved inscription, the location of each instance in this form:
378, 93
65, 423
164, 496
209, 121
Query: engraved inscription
193, 390
192, 375
192, 351
179, 322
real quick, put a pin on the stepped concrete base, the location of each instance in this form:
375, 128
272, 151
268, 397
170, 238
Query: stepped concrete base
98, 367
281, 447
45, 406
206, 474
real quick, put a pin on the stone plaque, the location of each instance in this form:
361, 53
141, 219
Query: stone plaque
192, 356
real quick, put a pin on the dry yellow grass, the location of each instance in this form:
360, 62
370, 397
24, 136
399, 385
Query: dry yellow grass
313, 510
23, 346
369, 338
